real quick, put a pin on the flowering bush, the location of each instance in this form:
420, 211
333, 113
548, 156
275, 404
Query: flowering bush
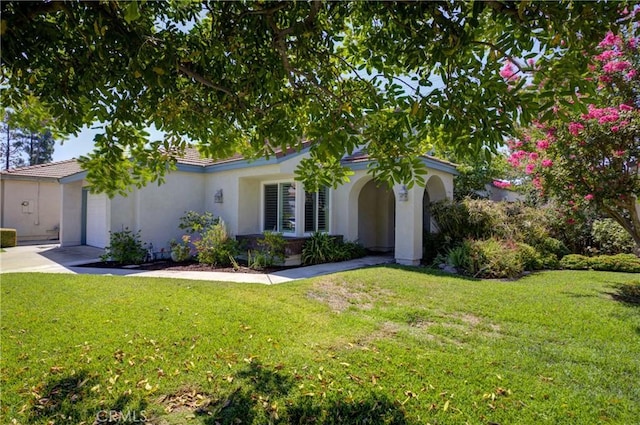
589, 159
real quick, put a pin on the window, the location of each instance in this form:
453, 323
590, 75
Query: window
316, 211
280, 207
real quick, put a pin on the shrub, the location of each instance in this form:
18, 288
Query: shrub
215, 246
530, 257
460, 257
575, 262
552, 246
271, 251
347, 250
125, 248
181, 251
494, 258
434, 245
324, 248
319, 248
193, 222
618, 263
8, 238
610, 237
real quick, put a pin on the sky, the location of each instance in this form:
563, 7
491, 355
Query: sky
82, 144
74, 146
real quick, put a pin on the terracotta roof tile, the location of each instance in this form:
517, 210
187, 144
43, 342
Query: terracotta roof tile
55, 170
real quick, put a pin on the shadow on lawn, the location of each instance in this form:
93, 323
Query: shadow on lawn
627, 293
66, 400
263, 399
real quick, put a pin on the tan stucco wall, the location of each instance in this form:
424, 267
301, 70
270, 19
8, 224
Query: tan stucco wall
156, 210
39, 218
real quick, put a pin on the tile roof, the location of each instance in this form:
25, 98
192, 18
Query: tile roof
363, 156
53, 170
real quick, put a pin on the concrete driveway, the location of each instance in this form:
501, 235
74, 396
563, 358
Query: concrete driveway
48, 258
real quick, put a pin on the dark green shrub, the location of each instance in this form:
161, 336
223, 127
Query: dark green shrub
324, 248
8, 238
610, 237
460, 257
216, 247
348, 250
434, 245
318, 249
271, 251
553, 246
125, 248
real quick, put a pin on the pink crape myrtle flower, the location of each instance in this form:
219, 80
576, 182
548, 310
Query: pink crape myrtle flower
543, 144
530, 168
508, 71
616, 66
501, 184
547, 163
610, 40
589, 197
575, 128
533, 156
624, 107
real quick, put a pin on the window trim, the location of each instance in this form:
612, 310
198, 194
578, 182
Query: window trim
299, 207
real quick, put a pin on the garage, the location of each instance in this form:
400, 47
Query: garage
96, 231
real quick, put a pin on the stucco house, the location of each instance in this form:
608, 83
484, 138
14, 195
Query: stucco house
256, 196
30, 199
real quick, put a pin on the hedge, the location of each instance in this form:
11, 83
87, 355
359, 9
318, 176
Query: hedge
8, 238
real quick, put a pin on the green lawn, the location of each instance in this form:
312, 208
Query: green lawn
380, 345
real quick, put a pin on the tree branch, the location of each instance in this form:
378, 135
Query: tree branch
204, 81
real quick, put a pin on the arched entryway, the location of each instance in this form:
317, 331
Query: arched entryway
433, 191
376, 217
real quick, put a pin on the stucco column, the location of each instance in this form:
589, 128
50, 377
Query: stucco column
408, 242
71, 214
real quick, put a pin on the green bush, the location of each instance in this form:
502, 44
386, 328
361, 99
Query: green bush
348, 250
610, 237
125, 248
8, 238
215, 246
618, 263
434, 245
324, 248
553, 246
575, 262
460, 257
271, 251
181, 251
530, 257
194, 222
495, 258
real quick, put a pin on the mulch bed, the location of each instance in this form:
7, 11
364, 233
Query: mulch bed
189, 266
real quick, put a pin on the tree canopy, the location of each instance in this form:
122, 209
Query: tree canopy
251, 77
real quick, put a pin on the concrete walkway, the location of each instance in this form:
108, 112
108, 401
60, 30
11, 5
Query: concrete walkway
47, 258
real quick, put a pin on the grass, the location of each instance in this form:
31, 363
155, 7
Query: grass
380, 345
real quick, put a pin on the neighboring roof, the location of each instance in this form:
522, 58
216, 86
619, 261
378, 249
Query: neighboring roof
362, 157
52, 170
